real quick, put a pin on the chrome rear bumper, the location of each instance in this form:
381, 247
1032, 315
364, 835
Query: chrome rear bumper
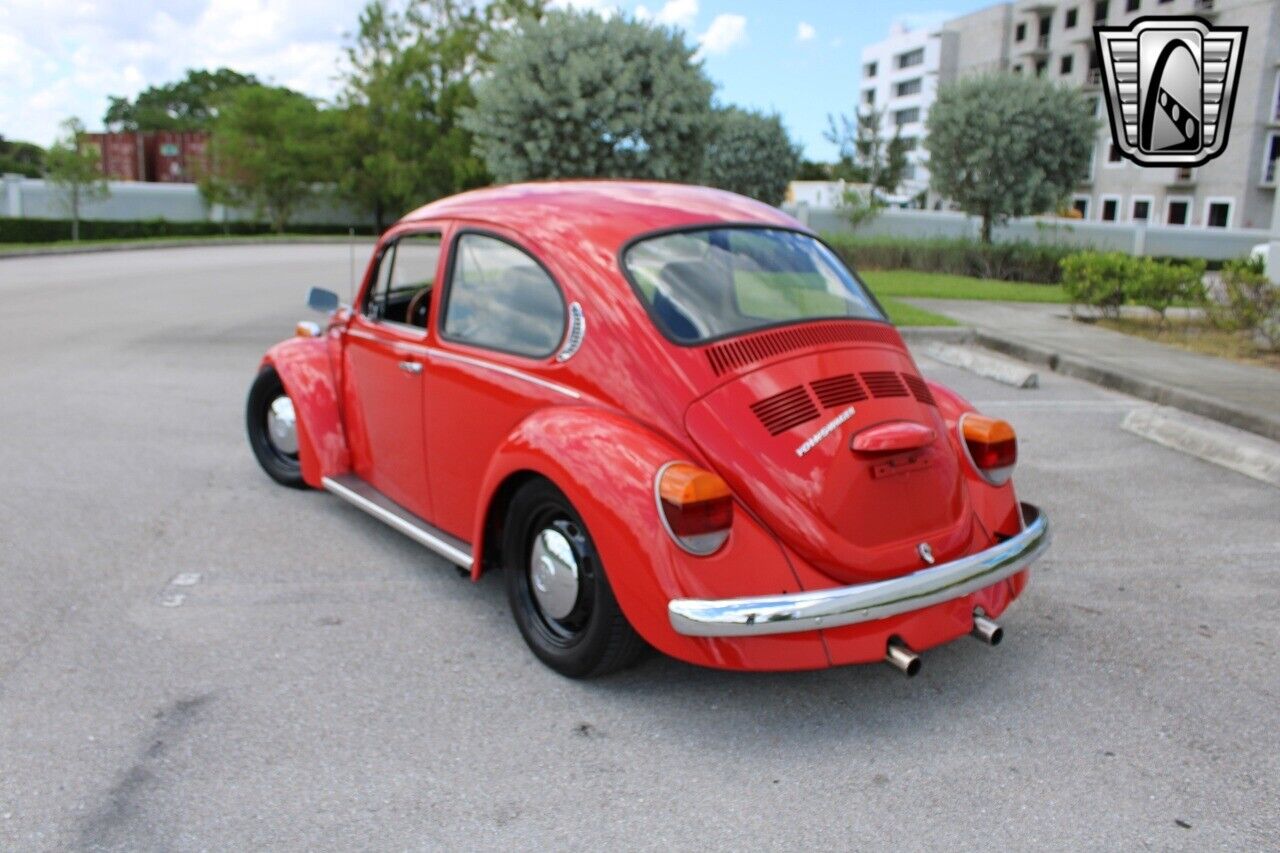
848, 605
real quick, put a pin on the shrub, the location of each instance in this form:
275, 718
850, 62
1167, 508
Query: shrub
1249, 300
1098, 279
1014, 261
1161, 284
49, 230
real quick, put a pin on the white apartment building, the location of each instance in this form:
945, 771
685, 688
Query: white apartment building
900, 79
1054, 39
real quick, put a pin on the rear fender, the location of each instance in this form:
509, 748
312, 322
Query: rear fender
605, 464
306, 368
996, 506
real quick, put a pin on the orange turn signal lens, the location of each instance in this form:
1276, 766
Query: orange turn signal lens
992, 446
696, 507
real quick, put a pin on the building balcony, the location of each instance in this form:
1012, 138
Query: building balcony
1269, 176
1093, 79
1038, 46
1183, 176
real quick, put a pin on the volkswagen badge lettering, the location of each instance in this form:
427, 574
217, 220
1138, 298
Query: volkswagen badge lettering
1170, 85
818, 436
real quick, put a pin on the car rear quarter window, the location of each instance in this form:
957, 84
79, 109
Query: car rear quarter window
500, 298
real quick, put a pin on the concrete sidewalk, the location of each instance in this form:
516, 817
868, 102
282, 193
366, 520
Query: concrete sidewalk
1241, 395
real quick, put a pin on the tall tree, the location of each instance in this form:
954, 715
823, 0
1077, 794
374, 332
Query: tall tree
21, 158
75, 171
576, 95
410, 76
1008, 145
750, 153
270, 147
866, 157
186, 104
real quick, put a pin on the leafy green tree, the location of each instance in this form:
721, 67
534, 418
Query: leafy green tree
811, 170
750, 153
410, 75
187, 104
21, 158
866, 157
1008, 145
575, 95
270, 147
75, 171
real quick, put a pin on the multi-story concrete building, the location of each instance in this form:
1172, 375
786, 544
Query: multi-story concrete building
899, 80
1054, 39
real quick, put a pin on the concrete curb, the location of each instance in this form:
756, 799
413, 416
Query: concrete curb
1239, 451
1146, 389
993, 367
38, 252
941, 334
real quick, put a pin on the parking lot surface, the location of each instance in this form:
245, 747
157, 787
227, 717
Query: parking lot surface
194, 658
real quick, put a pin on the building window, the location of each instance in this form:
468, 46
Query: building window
1020, 32
1017, 69
1100, 11
908, 87
869, 97
1110, 208
1179, 212
1064, 64
1271, 163
869, 70
1080, 204
1073, 16
1041, 66
909, 143
1113, 155
1132, 5
911, 58
1275, 102
1141, 210
1217, 213
1046, 24
907, 116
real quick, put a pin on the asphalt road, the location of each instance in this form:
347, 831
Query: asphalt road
194, 658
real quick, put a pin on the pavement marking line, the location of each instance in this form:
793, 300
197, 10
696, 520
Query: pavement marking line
987, 365
1235, 449
185, 579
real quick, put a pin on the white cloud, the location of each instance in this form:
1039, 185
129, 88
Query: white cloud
674, 13
725, 33
57, 63
603, 8
805, 31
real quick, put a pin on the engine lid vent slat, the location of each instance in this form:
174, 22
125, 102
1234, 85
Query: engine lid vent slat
786, 410
838, 390
884, 383
750, 349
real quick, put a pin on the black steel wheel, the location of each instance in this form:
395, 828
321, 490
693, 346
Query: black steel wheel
557, 588
273, 429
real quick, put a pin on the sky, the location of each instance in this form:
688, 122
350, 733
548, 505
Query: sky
798, 58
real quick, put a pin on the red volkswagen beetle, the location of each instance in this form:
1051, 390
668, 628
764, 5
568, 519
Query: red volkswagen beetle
670, 415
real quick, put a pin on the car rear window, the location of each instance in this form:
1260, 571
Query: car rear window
710, 283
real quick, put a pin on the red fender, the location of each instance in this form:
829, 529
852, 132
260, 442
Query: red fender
605, 464
306, 368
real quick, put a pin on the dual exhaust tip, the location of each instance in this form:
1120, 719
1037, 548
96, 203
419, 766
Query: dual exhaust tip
901, 658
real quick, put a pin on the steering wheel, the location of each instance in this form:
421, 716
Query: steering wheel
419, 307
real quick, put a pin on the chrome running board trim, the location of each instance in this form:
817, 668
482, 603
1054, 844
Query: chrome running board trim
361, 495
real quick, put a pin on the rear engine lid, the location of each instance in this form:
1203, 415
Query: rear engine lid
844, 455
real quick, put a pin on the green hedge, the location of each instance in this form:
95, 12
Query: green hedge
49, 230
1018, 261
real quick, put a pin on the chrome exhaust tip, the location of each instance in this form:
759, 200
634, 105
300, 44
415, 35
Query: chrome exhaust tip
986, 630
902, 658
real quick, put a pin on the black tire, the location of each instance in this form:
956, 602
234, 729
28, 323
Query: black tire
281, 466
595, 638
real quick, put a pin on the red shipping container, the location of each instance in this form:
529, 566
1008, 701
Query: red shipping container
195, 154
122, 155
169, 165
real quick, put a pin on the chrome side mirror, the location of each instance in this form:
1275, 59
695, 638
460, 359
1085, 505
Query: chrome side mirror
324, 301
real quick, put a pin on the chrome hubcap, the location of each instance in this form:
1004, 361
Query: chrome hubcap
553, 573
282, 426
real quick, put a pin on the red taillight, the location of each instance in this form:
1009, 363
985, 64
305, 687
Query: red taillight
696, 507
992, 446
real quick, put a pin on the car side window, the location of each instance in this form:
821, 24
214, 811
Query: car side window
501, 298
407, 267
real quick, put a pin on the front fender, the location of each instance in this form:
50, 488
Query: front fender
605, 464
306, 369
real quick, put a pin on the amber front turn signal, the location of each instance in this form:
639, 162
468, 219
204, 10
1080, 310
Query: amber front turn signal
695, 505
991, 445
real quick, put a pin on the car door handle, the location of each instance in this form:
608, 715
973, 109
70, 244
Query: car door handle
413, 367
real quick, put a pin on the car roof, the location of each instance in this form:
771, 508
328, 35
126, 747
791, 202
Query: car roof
607, 212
